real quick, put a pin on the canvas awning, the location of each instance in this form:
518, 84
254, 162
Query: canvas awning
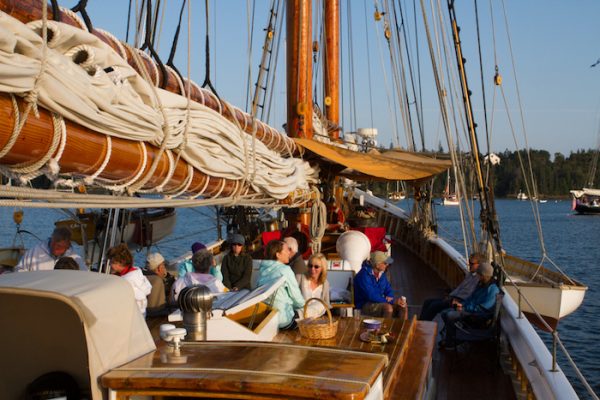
391, 165
82, 323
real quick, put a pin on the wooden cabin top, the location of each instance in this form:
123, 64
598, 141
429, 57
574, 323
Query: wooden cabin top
249, 369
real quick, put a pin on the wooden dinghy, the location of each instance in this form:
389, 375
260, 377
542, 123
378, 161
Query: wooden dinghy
551, 294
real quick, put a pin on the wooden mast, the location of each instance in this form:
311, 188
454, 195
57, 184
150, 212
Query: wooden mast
332, 64
299, 68
27, 11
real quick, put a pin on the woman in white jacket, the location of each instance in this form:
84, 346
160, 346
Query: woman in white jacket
121, 264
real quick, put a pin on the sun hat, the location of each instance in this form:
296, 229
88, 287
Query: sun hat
378, 257
154, 260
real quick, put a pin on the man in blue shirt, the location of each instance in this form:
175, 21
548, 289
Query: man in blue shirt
373, 294
479, 305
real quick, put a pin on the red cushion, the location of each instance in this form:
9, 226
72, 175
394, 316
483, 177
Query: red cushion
376, 236
271, 235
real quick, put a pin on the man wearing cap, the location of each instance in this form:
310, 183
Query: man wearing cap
236, 266
479, 305
373, 294
161, 280
186, 266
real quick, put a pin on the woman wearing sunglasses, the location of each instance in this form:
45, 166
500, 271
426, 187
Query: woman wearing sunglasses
313, 283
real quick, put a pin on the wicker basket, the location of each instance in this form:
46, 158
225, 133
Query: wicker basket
317, 328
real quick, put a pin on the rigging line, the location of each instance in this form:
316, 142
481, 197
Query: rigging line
485, 117
369, 64
470, 217
520, 103
418, 109
81, 8
155, 22
207, 81
522, 117
55, 10
175, 42
277, 45
391, 98
250, 13
534, 204
160, 29
148, 44
140, 10
128, 21
399, 79
418, 54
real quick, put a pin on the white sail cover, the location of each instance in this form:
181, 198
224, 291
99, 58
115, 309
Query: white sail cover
585, 191
50, 318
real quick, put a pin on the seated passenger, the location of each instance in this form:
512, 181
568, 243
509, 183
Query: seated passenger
121, 264
296, 261
373, 294
44, 255
479, 305
161, 280
314, 283
187, 266
201, 261
236, 266
431, 307
66, 263
288, 298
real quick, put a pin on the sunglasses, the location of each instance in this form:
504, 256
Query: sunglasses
314, 266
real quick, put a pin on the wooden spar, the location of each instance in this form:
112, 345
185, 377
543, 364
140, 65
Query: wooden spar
85, 151
332, 64
299, 74
31, 10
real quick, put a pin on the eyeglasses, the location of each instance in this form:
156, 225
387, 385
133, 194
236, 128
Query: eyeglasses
314, 266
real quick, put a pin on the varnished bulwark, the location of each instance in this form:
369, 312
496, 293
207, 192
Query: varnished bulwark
249, 370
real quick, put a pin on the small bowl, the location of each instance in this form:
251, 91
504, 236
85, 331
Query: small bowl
373, 324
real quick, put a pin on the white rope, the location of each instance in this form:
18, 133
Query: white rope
184, 187
115, 186
90, 179
318, 222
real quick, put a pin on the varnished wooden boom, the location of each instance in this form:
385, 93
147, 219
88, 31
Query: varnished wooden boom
31, 10
86, 150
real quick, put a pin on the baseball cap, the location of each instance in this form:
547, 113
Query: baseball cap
154, 260
378, 257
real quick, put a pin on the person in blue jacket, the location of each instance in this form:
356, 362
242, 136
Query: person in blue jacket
479, 305
373, 294
288, 298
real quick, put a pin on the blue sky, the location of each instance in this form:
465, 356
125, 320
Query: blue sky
553, 42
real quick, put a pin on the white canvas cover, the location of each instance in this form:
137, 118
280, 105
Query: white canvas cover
50, 319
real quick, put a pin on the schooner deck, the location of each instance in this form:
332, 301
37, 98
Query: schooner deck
466, 373
407, 362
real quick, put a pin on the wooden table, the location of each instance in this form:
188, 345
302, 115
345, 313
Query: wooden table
343, 367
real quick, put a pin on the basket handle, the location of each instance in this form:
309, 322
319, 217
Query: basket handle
324, 305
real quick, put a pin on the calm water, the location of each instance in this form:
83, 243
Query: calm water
571, 241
